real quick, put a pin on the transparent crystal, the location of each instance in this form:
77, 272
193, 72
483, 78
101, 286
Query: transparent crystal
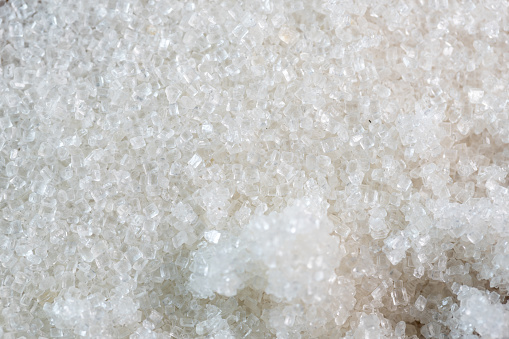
137, 142
288, 35
212, 236
420, 303
151, 210
172, 94
475, 95
180, 239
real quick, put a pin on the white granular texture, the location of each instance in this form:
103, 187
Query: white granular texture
254, 169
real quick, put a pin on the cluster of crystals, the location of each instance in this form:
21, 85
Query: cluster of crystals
261, 168
290, 257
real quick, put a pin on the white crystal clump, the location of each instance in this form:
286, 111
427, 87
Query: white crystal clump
293, 252
291, 256
481, 312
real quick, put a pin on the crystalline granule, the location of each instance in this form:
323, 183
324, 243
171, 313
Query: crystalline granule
251, 175
212, 236
195, 161
137, 142
142, 91
399, 330
151, 210
122, 267
399, 294
184, 212
420, 303
475, 95
180, 239
172, 94
403, 183
395, 248
133, 255
175, 169
288, 35
278, 19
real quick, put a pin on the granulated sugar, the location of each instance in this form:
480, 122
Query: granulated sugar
254, 169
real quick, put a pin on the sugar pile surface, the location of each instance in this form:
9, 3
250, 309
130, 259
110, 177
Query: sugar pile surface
257, 169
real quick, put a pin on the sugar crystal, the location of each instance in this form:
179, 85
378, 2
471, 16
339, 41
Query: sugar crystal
420, 303
212, 236
475, 95
288, 35
137, 142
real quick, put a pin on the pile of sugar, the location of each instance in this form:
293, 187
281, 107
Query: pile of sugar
254, 169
